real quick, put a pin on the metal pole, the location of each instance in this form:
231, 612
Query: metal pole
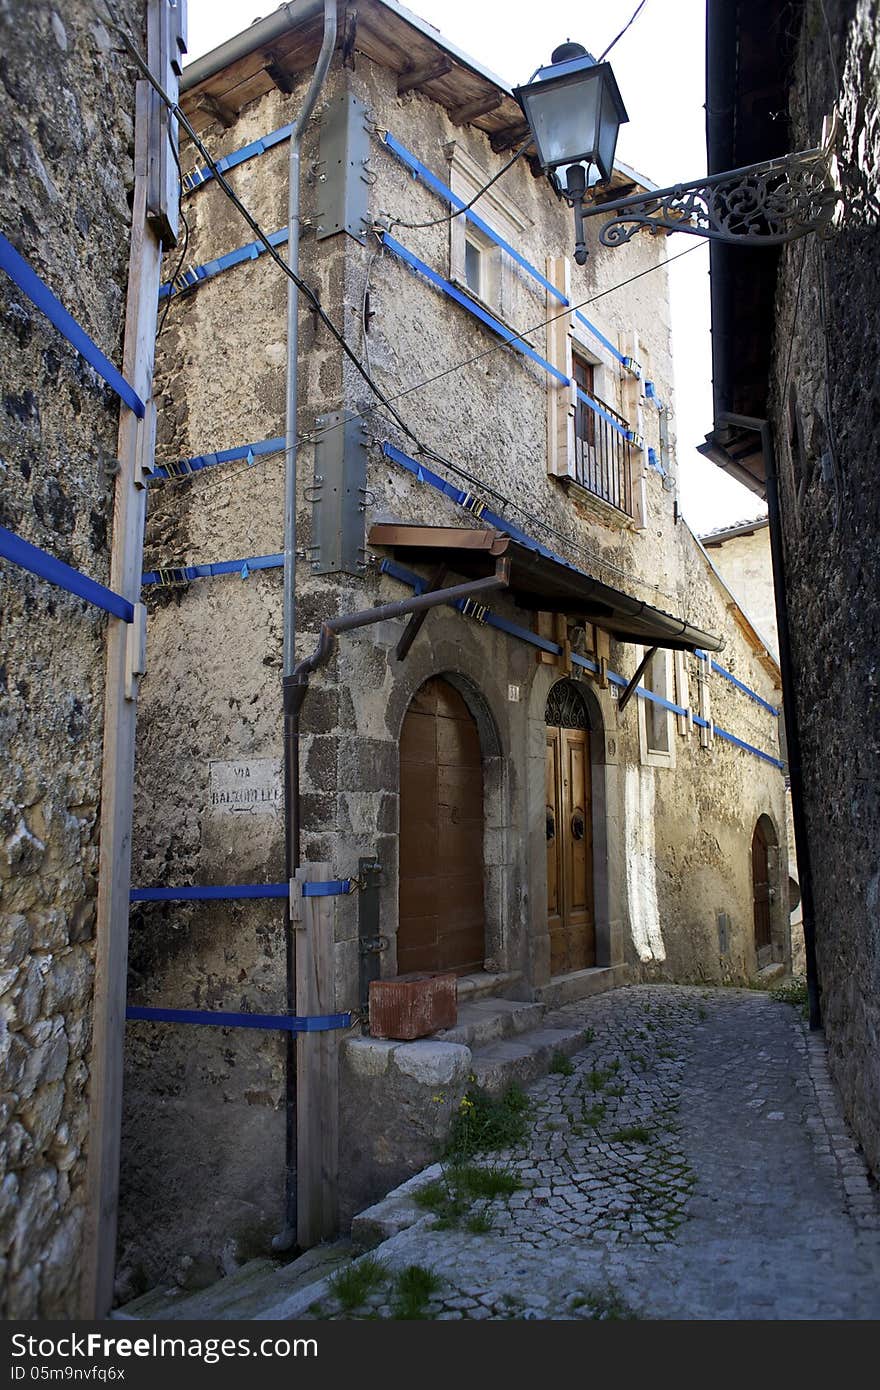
286, 1238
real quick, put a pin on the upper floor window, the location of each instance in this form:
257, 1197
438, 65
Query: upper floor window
655, 722
476, 261
601, 448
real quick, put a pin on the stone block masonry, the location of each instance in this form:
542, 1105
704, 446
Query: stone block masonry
66, 145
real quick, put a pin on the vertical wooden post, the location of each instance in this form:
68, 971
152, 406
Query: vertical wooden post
317, 1065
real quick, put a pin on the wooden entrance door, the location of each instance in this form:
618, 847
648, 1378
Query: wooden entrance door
442, 920
761, 892
570, 911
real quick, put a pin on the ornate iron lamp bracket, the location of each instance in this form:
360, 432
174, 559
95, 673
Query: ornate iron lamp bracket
759, 204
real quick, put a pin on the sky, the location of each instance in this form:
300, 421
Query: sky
659, 66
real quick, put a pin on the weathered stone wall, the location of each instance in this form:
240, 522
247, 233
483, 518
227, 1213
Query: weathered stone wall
203, 1162
828, 323
66, 146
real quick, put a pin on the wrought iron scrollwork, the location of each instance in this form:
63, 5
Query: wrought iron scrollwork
761, 204
565, 707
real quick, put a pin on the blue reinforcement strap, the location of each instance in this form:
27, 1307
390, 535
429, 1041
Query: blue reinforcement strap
195, 274
285, 1023
211, 892
449, 289
179, 574
599, 410
195, 179
746, 689
182, 467
18, 270
417, 582
30, 557
330, 888
445, 192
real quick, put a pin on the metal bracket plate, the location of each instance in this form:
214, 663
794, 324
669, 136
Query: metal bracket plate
343, 174
338, 495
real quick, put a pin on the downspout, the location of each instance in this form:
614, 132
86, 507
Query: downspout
286, 1238
789, 707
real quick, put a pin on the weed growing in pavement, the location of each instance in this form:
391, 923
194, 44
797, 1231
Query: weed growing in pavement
617, 1090
636, 1134
560, 1065
793, 992
352, 1285
605, 1304
413, 1287
483, 1122
597, 1079
479, 1222
594, 1114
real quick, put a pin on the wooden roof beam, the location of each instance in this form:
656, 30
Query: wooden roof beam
418, 77
283, 79
506, 139
470, 110
218, 109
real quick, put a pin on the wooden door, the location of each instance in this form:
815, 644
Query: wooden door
761, 894
442, 920
570, 911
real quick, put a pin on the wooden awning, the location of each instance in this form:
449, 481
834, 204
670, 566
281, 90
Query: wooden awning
541, 581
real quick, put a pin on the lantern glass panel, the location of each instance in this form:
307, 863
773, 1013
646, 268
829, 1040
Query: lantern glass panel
563, 117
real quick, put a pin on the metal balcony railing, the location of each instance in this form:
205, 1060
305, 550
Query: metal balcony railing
602, 444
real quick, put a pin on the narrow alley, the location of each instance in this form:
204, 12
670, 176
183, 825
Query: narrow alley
690, 1163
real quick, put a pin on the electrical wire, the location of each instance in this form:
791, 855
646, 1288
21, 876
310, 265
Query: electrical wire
310, 294
626, 26
830, 46
450, 216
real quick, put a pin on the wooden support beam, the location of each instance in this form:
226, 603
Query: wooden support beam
470, 110
506, 139
120, 708
218, 109
317, 1065
283, 79
418, 77
411, 631
634, 680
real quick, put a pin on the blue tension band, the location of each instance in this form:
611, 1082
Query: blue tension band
211, 891
746, 689
30, 557
194, 275
598, 410
182, 467
285, 1023
512, 339
29, 282
330, 889
202, 175
182, 573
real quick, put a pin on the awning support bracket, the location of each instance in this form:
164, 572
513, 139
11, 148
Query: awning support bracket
633, 684
414, 625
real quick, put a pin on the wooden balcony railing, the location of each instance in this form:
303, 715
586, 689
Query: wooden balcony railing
602, 452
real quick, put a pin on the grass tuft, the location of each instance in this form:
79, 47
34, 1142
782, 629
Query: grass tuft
413, 1287
560, 1065
352, 1285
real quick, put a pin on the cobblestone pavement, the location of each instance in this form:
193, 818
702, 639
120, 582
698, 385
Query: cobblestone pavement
694, 1164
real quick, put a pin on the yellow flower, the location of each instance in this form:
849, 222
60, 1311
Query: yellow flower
439, 1098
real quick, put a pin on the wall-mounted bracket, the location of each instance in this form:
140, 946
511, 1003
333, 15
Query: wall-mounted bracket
337, 494
344, 179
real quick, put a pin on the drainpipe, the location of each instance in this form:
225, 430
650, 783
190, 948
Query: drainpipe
789, 707
286, 1238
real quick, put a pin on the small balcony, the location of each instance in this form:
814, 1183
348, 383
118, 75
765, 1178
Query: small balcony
602, 444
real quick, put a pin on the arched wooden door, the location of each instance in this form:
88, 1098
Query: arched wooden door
570, 910
442, 918
762, 892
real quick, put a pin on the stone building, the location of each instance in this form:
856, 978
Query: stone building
795, 419
532, 836
741, 554
67, 132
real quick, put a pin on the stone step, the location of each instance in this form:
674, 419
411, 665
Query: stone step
524, 1058
487, 1020
246, 1293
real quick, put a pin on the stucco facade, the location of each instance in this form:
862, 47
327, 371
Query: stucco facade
671, 867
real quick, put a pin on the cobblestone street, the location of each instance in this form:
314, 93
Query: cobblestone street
690, 1163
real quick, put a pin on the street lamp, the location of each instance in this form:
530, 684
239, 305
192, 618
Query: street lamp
574, 110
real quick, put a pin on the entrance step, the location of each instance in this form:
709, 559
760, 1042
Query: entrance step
581, 984
482, 983
523, 1058
488, 1020
246, 1293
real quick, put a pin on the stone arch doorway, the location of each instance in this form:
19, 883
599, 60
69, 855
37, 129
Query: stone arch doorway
571, 917
764, 841
441, 923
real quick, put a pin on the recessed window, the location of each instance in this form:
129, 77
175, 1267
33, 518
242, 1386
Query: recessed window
655, 721
472, 266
